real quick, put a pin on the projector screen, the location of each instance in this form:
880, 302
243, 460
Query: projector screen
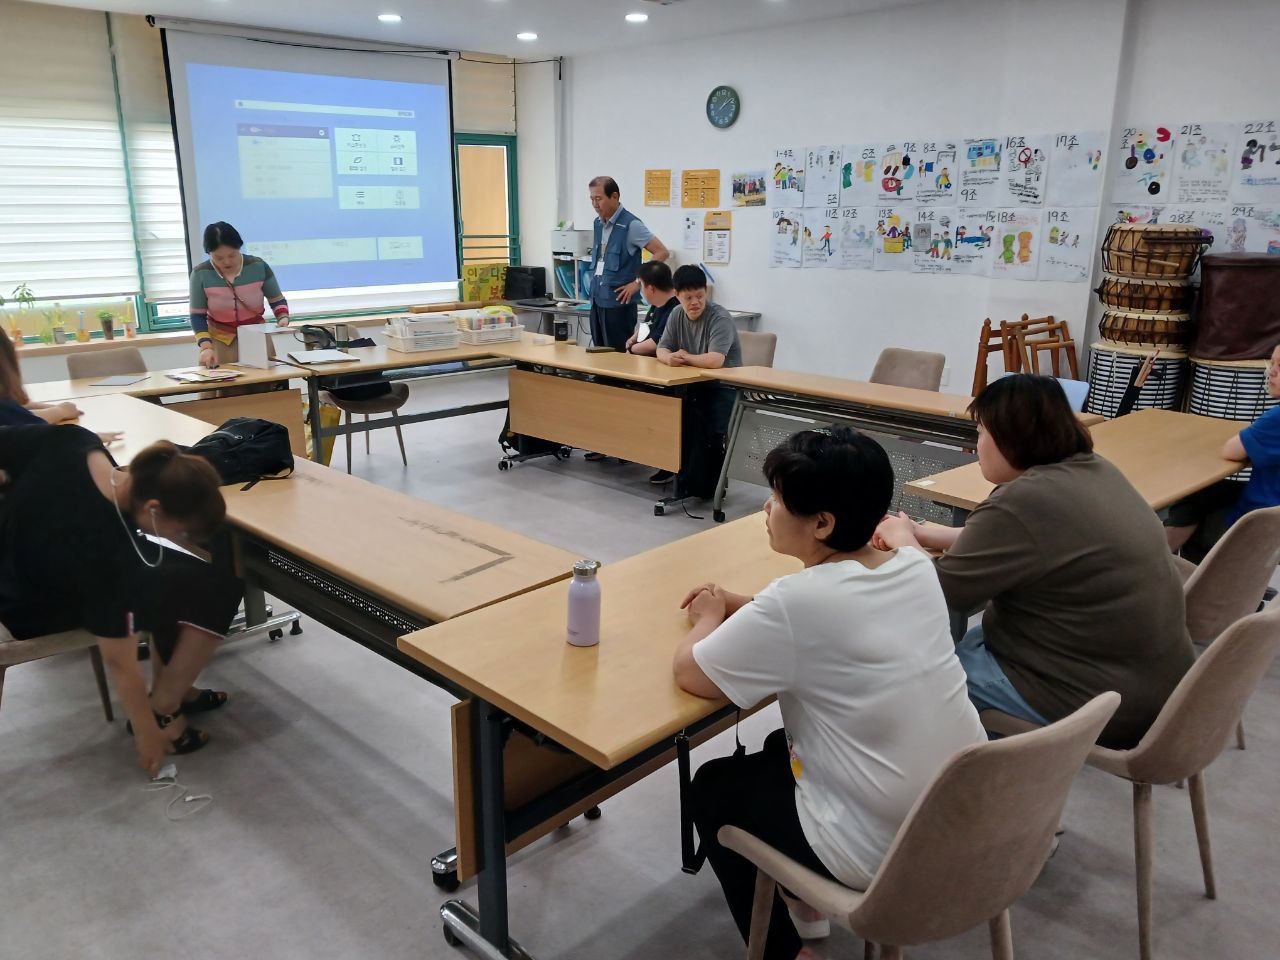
336, 167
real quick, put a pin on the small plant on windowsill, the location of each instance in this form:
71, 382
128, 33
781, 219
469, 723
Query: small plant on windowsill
25, 299
108, 321
54, 331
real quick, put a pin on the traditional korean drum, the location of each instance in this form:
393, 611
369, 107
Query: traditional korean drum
1111, 368
1145, 296
1153, 250
1230, 390
1164, 330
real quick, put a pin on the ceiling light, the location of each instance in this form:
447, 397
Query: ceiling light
389, 17
527, 35
637, 17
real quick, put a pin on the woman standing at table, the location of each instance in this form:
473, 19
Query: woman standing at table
228, 291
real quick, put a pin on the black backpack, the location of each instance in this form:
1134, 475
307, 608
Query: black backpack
246, 450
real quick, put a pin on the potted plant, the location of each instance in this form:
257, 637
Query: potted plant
54, 332
26, 301
130, 321
108, 321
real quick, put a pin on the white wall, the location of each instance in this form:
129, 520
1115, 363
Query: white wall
960, 68
537, 109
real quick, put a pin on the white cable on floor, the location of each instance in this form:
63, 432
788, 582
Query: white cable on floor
194, 803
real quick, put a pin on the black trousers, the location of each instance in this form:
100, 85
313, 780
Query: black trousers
612, 326
705, 419
757, 793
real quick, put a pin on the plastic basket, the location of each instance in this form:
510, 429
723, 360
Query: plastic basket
422, 344
510, 331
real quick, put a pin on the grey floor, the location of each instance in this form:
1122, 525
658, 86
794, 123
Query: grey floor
330, 773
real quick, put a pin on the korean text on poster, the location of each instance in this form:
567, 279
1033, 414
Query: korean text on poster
857, 238
1257, 162
893, 238
784, 237
820, 236
938, 173
1066, 246
692, 233
1024, 172
1253, 228
1202, 165
657, 188
786, 180
974, 239
700, 188
717, 237
1016, 254
980, 161
859, 183
1078, 170
897, 180
933, 239
1143, 164
822, 176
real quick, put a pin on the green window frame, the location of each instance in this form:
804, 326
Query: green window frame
512, 238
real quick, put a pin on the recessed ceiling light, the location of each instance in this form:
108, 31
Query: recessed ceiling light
389, 17
527, 35
637, 17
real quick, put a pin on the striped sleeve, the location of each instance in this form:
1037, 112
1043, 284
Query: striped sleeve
271, 290
199, 307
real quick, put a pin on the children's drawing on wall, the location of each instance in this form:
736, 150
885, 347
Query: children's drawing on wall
1016, 254
933, 240
750, 188
893, 238
973, 240
1252, 228
980, 159
936, 165
859, 183
1024, 171
1257, 163
1143, 164
1067, 247
1134, 213
819, 237
896, 176
786, 180
822, 177
784, 239
1211, 219
1076, 162
1202, 164
857, 238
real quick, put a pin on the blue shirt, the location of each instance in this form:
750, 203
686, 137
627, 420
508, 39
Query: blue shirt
1261, 441
14, 414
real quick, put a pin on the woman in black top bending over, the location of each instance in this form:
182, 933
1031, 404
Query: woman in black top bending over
72, 556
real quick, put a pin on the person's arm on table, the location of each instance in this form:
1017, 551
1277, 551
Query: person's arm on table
707, 610
55, 412
706, 361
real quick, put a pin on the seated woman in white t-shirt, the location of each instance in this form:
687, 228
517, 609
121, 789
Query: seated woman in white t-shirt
858, 651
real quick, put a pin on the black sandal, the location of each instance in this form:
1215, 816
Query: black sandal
190, 741
203, 702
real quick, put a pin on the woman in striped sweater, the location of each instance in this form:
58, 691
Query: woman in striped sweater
228, 291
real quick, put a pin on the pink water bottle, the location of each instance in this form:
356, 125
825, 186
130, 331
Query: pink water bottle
584, 604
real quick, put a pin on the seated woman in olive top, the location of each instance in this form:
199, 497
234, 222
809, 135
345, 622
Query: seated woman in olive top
72, 556
1080, 589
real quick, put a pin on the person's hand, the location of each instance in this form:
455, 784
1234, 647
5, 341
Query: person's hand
66, 411
679, 358
688, 599
282, 321
109, 437
208, 359
631, 342
152, 746
627, 291
707, 604
894, 532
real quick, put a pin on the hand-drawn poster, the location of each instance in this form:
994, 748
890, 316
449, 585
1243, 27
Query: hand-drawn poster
657, 188
1202, 164
1252, 229
1076, 162
1016, 253
893, 238
1143, 164
1134, 213
784, 241
859, 179
932, 239
857, 238
1210, 218
1257, 162
938, 173
980, 171
822, 177
1067, 247
1025, 171
974, 236
820, 237
786, 180
897, 172
749, 189
717, 237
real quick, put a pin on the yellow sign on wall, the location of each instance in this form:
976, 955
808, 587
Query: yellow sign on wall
657, 188
484, 281
700, 188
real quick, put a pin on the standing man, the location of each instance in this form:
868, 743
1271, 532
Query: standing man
615, 263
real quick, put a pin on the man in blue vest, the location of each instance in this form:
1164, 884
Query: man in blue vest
619, 236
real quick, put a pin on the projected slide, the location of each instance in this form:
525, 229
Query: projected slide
335, 181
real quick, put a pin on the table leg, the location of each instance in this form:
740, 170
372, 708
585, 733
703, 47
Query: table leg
722, 485
313, 413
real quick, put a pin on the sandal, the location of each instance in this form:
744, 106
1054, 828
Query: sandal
190, 741
204, 701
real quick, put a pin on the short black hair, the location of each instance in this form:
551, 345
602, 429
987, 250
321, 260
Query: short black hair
221, 234
607, 184
838, 471
1030, 420
689, 277
656, 274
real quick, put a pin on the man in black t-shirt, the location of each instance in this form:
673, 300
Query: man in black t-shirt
659, 292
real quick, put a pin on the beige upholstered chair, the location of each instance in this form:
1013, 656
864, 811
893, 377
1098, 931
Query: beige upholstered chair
973, 843
105, 363
388, 403
14, 652
1189, 733
909, 368
757, 348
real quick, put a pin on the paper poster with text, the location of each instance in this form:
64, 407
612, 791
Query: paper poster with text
1202, 164
784, 238
786, 179
819, 237
897, 174
893, 238
938, 173
1256, 175
1016, 251
859, 180
1210, 218
1143, 164
933, 239
857, 238
1133, 213
1067, 247
822, 177
980, 159
1078, 170
1252, 228
973, 237
1024, 173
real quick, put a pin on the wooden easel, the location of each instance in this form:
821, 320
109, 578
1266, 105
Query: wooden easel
1020, 343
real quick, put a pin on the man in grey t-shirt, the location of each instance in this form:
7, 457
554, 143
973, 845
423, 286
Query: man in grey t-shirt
701, 334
